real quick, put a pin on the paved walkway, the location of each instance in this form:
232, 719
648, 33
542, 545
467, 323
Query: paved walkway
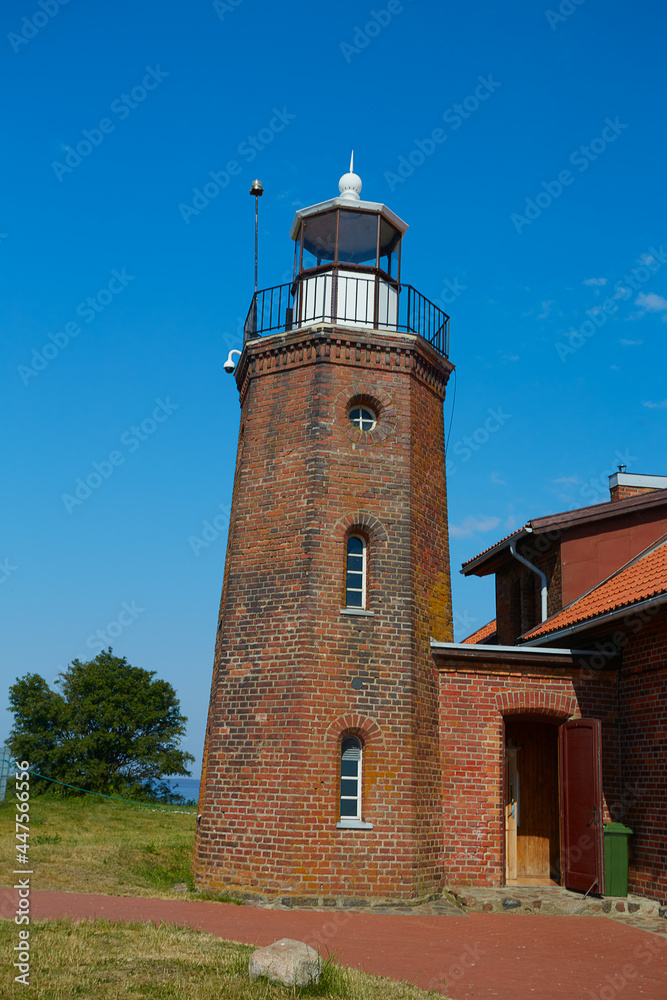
469, 956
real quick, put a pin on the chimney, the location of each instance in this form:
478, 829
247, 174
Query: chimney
623, 484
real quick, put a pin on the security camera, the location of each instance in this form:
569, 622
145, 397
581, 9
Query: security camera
230, 365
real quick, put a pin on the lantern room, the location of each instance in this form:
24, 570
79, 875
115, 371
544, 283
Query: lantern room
347, 259
347, 270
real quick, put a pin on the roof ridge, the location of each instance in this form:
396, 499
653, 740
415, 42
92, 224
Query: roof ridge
610, 508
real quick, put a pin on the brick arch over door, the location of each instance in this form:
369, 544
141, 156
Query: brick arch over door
535, 702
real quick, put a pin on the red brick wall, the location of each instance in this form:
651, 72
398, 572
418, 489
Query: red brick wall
473, 702
643, 799
545, 555
623, 492
285, 657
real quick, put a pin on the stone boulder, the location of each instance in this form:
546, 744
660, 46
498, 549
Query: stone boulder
292, 963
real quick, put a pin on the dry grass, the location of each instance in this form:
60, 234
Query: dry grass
112, 961
94, 845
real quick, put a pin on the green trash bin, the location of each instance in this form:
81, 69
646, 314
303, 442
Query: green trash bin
616, 859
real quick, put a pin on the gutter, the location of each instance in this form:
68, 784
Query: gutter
470, 566
534, 651
469, 654
542, 576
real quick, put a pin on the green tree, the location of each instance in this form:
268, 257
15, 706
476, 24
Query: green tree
110, 728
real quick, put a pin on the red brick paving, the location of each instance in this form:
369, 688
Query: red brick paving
471, 957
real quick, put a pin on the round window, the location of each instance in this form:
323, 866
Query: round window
363, 418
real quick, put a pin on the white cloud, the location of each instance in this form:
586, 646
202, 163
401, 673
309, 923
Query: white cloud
495, 478
650, 405
630, 343
567, 479
546, 308
651, 302
595, 281
469, 525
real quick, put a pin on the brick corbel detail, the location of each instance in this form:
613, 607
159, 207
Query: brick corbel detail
370, 349
529, 702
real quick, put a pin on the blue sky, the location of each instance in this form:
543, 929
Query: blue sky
536, 214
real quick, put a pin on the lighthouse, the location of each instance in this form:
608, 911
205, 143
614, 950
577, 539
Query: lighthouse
322, 778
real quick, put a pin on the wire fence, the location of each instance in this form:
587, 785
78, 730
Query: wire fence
7, 765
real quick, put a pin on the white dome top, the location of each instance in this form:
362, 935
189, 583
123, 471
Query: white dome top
350, 183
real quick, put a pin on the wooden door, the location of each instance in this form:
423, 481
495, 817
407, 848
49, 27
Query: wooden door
511, 813
581, 805
532, 834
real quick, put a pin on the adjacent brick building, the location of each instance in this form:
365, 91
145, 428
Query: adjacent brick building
605, 586
353, 750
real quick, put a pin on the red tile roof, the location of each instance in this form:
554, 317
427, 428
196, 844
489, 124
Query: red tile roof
641, 578
517, 531
486, 634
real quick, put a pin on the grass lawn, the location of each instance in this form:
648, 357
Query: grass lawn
104, 960
95, 845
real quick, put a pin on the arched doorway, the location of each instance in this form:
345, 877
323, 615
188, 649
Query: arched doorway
532, 815
553, 802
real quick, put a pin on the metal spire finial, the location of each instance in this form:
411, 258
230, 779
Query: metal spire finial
350, 183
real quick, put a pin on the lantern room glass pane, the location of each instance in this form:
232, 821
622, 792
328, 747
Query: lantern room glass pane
318, 235
357, 238
390, 238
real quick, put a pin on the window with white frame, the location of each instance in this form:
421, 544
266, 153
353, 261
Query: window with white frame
355, 573
350, 778
363, 418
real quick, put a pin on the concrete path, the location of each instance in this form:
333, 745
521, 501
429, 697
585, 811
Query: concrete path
469, 957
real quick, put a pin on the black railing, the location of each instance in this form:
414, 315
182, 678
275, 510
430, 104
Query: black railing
331, 297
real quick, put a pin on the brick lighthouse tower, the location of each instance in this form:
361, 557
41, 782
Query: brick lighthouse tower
322, 775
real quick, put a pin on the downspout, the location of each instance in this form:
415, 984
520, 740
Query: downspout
542, 576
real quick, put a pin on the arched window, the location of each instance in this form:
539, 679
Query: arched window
355, 573
350, 778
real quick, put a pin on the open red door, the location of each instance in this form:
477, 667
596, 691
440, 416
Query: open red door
581, 805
